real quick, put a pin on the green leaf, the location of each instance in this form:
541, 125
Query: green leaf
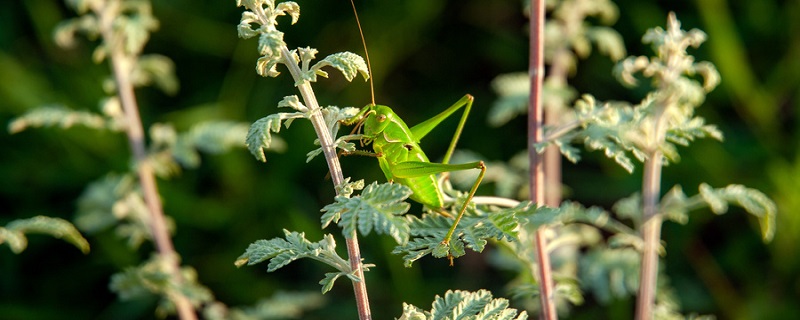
610, 273
290, 7
64, 32
154, 278
59, 228
217, 137
155, 69
293, 246
327, 282
259, 137
465, 305
350, 64
752, 200
574, 212
57, 116
378, 207
513, 93
115, 200
473, 232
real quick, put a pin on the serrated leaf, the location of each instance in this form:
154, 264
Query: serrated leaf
327, 282
465, 305
259, 137
56, 227
378, 207
56, 116
154, 277
290, 7
282, 251
350, 64
752, 200
472, 232
292, 102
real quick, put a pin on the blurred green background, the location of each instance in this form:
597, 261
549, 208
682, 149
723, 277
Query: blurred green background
425, 55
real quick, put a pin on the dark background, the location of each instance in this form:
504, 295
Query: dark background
425, 55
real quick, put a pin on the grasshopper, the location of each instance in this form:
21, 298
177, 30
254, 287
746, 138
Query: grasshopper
396, 146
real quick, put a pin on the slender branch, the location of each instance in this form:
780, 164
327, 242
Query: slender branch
535, 133
122, 65
328, 149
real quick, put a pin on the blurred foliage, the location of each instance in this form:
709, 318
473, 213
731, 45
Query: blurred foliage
425, 55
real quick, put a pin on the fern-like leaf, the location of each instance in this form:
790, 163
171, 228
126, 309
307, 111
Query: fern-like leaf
57, 116
465, 305
259, 137
379, 207
473, 232
751, 200
14, 232
282, 251
350, 64
154, 278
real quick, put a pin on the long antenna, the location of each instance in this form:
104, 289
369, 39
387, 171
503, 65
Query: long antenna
366, 54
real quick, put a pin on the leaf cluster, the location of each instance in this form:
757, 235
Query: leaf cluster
464, 305
473, 232
282, 251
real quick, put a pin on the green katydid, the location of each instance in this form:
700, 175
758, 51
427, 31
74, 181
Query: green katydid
402, 160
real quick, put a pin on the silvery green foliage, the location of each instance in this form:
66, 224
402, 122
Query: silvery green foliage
170, 150
333, 117
379, 207
264, 14
133, 21
260, 19
473, 232
116, 201
610, 273
111, 117
509, 178
282, 305
14, 233
154, 278
282, 251
56, 116
619, 129
464, 305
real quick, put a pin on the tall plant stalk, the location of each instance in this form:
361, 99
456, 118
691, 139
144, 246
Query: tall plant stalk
535, 135
122, 67
651, 219
329, 151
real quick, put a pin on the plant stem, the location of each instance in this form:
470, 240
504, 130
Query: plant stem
651, 233
122, 66
328, 149
535, 133
651, 220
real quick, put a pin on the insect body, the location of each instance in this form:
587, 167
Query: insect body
402, 160
400, 157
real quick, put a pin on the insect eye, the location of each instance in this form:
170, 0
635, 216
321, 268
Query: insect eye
382, 118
